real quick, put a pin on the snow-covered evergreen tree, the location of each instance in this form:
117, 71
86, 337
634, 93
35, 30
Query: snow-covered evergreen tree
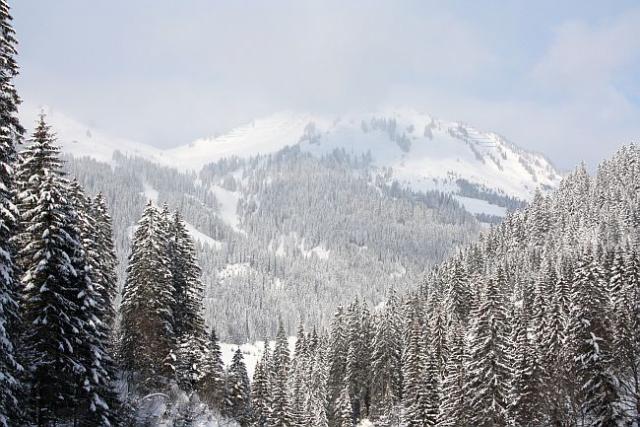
590, 340
147, 337
487, 366
10, 134
238, 391
524, 397
413, 373
106, 274
280, 411
65, 345
188, 325
386, 358
211, 385
260, 401
337, 361
344, 410
358, 367
95, 311
453, 407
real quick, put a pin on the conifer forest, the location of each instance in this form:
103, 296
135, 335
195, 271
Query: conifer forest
309, 286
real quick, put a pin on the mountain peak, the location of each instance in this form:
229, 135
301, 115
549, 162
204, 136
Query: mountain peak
417, 149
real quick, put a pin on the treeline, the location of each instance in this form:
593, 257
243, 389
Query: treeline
296, 236
536, 324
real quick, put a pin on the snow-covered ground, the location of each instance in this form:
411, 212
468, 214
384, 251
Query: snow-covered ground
476, 206
203, 238
228, 205
252, 352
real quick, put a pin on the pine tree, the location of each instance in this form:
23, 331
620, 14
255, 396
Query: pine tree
297, 378
64, 346
260, 389
185, 275
413, 374
211, 385
147, 336
386, 359
345, 411
453, 406
107, 272
238, 394
457, 294
337, 361
317, 404
590, 334
523, 403
188, 324
627, 338
486, 366
10, 135
95, 311
357, 370
429, 397
280, 413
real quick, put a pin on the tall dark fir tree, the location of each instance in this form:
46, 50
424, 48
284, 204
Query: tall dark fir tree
10, 134
147, 340
63, 346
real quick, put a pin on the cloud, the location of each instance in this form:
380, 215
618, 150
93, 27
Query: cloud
585, 58
550, 79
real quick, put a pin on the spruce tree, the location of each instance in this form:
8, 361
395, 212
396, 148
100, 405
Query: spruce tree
486, 366
147, 337
188, 324
318, 402
627, 339
429, 397
453, 407
344, 410
386, 359
10, 135
238, 391
64, 345
108, 261
280, 411
260, 389
357, 370
524, 397
211, 385
297, 378
95, 312
590, 335
413, 372
337, 361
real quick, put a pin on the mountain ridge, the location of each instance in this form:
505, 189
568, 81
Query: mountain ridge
406, 146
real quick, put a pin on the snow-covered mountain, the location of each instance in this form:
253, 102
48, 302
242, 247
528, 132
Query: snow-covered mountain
412, 148
295, 214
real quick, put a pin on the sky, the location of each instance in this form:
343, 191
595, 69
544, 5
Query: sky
561, 78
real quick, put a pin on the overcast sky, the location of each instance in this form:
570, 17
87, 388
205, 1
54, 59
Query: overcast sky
562, 78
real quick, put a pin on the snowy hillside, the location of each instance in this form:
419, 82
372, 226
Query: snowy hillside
410, 147
294, 213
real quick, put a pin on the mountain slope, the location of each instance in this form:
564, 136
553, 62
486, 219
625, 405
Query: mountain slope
331, 210
412, 148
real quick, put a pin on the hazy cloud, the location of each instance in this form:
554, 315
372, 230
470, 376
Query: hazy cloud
555, 78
